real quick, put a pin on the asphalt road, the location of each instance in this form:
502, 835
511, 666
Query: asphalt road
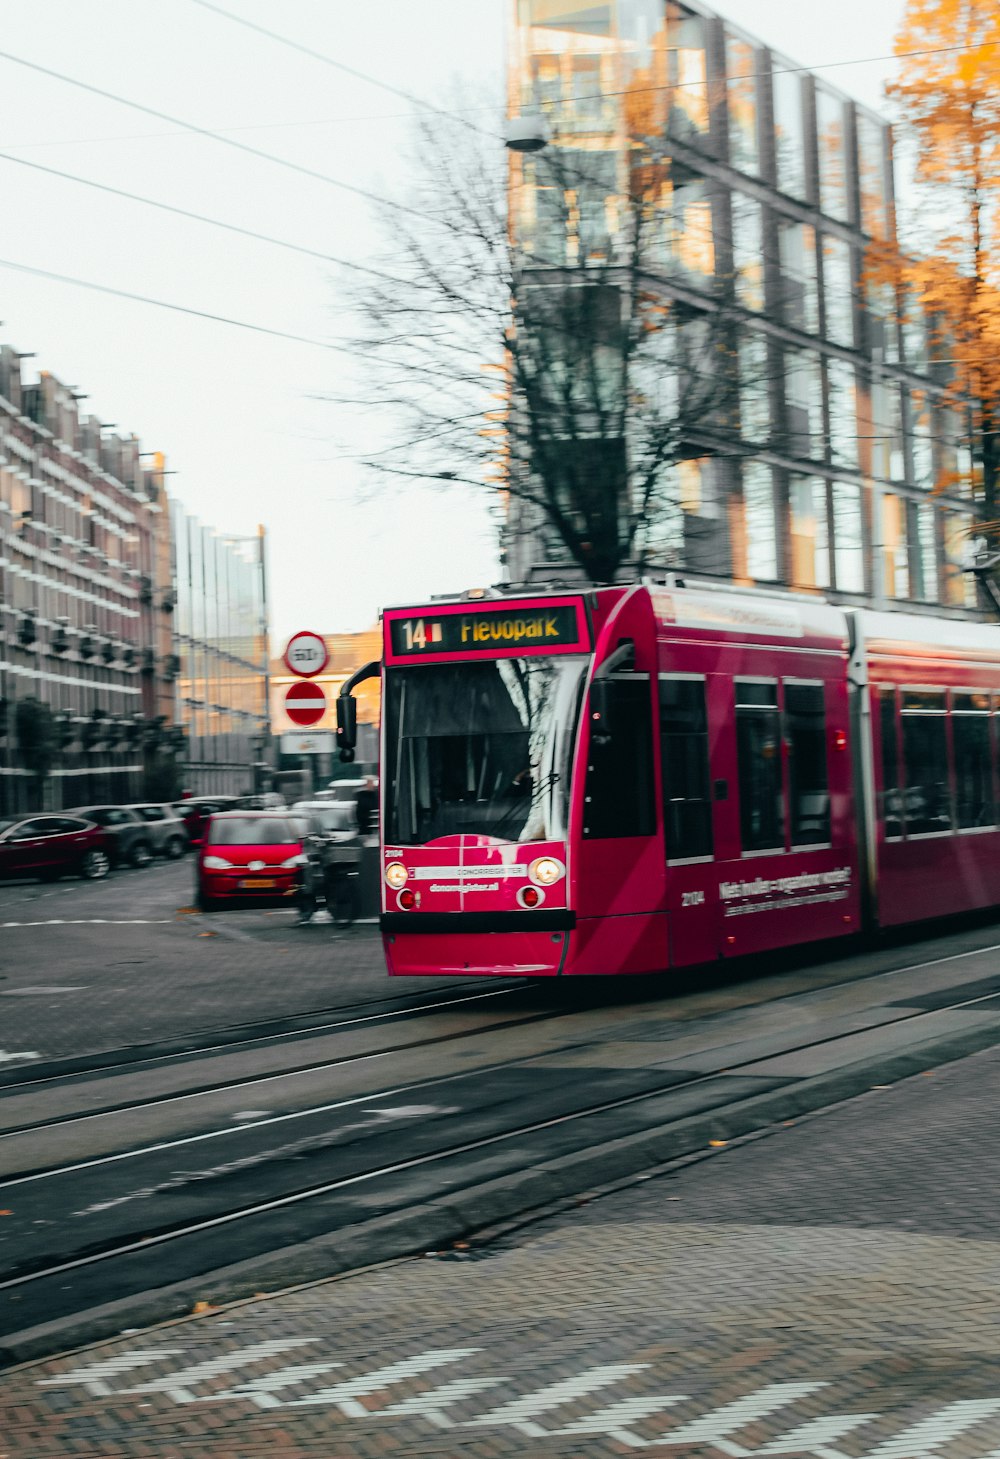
824, 1290
435, 1108
88, 966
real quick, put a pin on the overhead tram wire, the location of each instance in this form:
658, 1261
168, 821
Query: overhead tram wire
204, 218
214, 136
457, 116
326, 60
322, 344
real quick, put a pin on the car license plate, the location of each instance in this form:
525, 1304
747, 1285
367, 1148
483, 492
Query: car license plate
256, 884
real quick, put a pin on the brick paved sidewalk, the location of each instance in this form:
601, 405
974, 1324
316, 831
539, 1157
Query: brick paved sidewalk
829, 1290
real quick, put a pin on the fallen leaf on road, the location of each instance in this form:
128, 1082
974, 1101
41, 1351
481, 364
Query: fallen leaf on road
6, 1213
202, 1307
208, 934
716, 1144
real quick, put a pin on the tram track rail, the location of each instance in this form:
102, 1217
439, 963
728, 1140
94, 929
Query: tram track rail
230, 1038
389, 1187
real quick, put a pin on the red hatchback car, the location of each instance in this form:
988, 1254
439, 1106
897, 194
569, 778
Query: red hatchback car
250, 856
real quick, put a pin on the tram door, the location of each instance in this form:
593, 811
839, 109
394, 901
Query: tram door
688, 795
619, 869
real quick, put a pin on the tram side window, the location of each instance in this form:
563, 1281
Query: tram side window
618, 790
687, 805
805, 731
892, 796
926, 795
970, 725
758, 744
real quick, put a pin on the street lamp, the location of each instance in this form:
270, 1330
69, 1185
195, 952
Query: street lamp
527, 133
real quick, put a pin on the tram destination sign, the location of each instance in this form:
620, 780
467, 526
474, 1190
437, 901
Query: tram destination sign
514, 629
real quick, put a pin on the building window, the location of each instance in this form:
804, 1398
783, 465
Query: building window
755, 417
687, 74
871, 173
838, 291
959, 586
914, 332
810, 537
883, 319
970, 727
890, 797
687, 805
741, 100
895, 557
848, 555
804, 403
758, 505
748, 251
805, 733
799, 296
832, 147
789, 132
758, 743
926, 797
921, 448
843, 406
926, 587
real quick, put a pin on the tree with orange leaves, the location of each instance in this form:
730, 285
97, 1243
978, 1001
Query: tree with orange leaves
948, 93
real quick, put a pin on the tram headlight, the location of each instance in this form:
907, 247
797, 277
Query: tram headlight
546, 871
396, 875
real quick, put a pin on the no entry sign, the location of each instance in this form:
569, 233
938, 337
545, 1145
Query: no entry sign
305, 703
306, 654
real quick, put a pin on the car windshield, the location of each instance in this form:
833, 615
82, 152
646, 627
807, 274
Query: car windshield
481, 749
342, 817
254, 831
151, 813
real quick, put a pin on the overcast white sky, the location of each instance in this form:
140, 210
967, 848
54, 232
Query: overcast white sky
236, 412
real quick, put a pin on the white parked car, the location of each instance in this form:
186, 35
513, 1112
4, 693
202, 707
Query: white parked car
167, 833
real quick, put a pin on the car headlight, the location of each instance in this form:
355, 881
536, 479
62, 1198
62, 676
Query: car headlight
299, 860
216, 863
396, 875
545, 871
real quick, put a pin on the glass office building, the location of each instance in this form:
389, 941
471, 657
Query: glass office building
841, 467
220, 655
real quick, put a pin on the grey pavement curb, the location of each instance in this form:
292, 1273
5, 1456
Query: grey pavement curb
436, 1224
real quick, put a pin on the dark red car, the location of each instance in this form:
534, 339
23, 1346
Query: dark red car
195, 812
251, 856
51, 846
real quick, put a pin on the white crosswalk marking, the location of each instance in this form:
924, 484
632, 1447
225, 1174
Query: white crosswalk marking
432, 1405
716, 1426
179, 1385
928, 1435
93, 1375
346, 1395
261, 1391
614, 1420
520, 1411
816, 1436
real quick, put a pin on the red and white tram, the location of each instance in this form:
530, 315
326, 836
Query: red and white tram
630, 779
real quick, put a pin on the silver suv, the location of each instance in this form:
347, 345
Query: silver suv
167, 832
131, 843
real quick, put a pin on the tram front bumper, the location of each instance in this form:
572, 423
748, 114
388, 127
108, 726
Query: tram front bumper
469, 944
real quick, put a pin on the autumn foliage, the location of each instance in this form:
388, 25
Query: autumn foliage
948, 96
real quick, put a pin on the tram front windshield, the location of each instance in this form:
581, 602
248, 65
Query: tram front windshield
481, 748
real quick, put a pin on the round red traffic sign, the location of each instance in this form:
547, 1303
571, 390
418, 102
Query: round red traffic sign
306, 654
305, 703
